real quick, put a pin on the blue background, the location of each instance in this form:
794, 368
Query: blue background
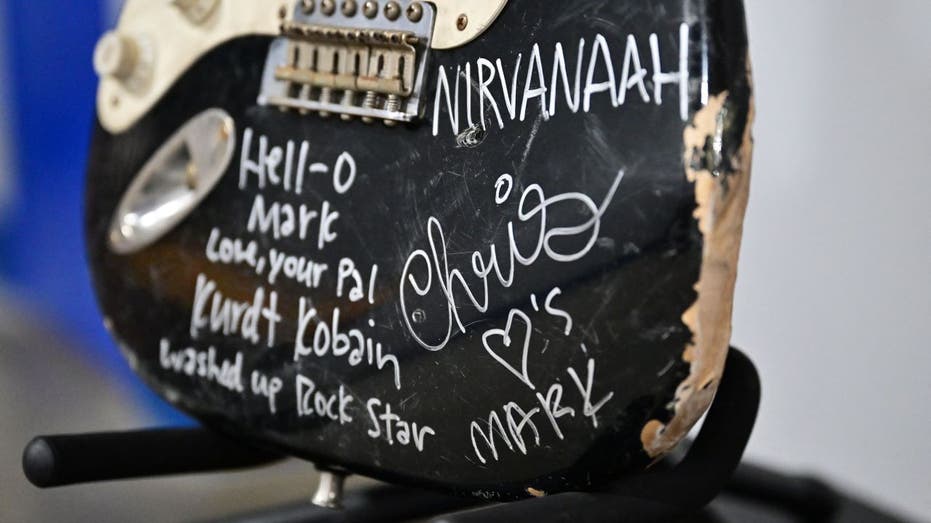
50, 107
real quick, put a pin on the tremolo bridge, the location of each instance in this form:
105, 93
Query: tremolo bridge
363, 60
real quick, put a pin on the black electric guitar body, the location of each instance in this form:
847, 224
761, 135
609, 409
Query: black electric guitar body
525, 289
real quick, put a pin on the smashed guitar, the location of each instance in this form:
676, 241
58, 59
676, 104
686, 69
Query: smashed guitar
486, 247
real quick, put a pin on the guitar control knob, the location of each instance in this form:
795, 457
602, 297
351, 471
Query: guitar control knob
127, 58
116, 55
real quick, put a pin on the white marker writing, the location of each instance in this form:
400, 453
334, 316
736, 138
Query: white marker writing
596, 62
388, 425
589, 410
330, 339
314, 402
435, 275
217, 313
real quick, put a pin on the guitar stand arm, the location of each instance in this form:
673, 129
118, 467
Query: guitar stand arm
55, 461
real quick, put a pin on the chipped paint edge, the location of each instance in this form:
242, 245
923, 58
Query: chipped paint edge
720, 212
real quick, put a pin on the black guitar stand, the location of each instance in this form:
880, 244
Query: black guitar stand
663, 493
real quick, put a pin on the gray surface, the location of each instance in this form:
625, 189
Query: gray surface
834, 295
45, 388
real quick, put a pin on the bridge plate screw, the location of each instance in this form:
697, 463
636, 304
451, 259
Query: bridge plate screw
462, 22
350, 7
370, 101
325, 97
308, 6
348, 100
370, 8
392, 10
415, 12
328, 7
393, 104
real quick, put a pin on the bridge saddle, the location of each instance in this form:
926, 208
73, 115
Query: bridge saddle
363, 62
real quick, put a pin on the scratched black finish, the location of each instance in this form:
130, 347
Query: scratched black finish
626, 296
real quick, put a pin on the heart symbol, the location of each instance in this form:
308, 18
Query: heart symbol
505, 335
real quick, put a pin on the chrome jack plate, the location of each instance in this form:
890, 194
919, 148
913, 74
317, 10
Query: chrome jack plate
362, 62
174, 181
